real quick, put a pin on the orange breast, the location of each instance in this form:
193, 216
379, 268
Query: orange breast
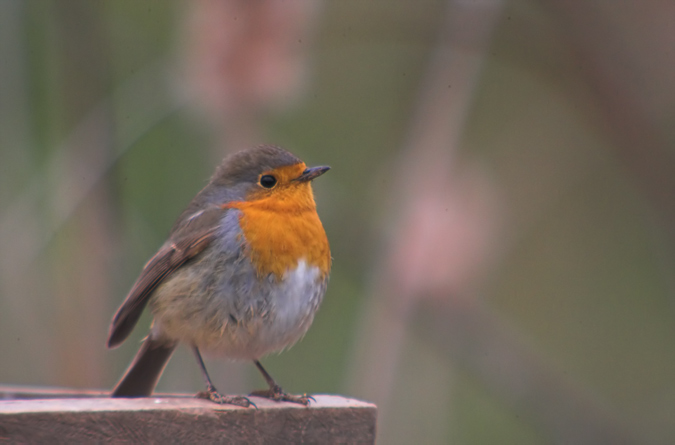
282, 229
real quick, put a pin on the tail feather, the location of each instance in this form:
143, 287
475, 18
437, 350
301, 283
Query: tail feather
144, 372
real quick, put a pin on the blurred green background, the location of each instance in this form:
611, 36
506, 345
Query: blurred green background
501, 204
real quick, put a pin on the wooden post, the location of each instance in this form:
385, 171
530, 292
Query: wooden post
58, 416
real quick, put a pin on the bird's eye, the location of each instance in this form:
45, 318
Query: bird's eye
268, 181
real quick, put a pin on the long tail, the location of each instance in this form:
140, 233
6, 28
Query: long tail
142, 375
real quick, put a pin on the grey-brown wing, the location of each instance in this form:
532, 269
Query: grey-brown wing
189, 239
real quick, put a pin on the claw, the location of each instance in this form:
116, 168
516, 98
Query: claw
214, 396
279, 395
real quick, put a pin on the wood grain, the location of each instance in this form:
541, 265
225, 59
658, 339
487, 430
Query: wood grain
90, 418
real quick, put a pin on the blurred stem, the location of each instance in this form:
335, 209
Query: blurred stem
81, 275
634, 117
445, 96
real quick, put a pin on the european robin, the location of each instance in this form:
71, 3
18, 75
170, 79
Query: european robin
242, 274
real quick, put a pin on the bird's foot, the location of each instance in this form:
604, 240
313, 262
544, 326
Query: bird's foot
213, 395
279, 395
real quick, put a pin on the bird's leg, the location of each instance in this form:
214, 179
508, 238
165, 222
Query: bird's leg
275, 392
212, 393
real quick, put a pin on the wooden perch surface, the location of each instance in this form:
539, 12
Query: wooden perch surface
56, 416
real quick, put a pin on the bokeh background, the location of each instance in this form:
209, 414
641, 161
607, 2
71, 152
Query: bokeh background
501, 207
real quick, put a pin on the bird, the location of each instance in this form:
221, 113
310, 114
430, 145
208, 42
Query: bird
241, 275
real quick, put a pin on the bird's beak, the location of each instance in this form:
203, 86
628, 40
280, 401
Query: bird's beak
312, 172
